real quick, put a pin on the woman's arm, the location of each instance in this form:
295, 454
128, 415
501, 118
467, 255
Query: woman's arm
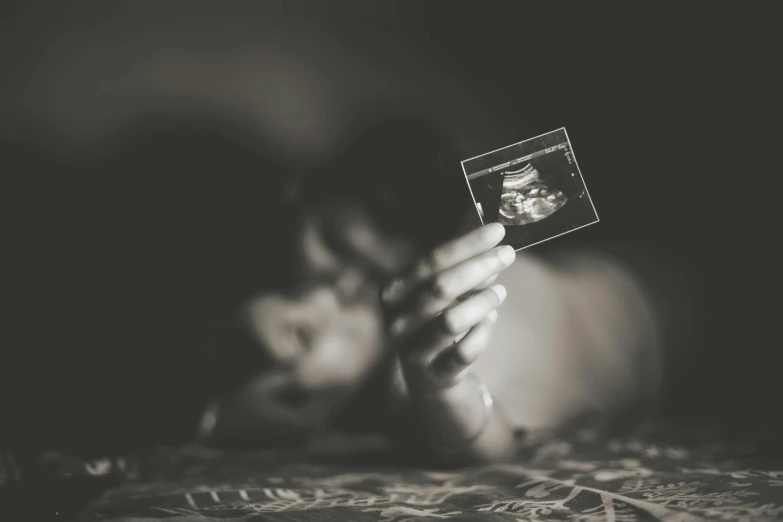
460, 425
576, 335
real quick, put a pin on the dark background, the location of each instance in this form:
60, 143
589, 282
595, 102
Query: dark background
670, 111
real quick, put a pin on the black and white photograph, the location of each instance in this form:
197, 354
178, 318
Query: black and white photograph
534, 188
341, 261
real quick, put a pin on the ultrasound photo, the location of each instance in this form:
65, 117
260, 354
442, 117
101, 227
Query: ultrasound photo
534, 188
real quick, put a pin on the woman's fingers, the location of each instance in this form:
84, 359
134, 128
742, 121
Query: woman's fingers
452, 364
466, 314
444, 305
441, 331
451, 323
440, 259
455, 284
468, 276
487, 282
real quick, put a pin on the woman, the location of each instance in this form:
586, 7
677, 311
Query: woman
177, 232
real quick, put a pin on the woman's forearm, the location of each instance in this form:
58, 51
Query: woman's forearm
465, 425
460, 425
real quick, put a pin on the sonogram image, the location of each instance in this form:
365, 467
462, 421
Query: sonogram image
526, 198
534, 188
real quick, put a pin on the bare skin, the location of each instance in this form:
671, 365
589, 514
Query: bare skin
440, 314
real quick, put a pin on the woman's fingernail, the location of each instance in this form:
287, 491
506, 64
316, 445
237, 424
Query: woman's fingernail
493, 316
500, 290
495, 231
470, 352
506, 254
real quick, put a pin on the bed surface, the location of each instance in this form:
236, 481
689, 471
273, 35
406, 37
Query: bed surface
579, 477
575, 478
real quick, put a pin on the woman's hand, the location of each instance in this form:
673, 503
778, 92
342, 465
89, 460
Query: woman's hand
439, 315
440, 311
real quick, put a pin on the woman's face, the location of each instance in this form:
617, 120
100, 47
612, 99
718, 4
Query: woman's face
322, 339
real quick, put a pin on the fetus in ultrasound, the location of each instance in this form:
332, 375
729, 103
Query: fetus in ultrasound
526, 198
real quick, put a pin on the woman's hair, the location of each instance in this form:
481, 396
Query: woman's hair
194, 206
199, 208
390, 168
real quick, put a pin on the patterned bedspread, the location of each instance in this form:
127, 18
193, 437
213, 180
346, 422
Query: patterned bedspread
579, 478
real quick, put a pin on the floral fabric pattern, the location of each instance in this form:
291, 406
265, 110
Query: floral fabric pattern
575, 479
